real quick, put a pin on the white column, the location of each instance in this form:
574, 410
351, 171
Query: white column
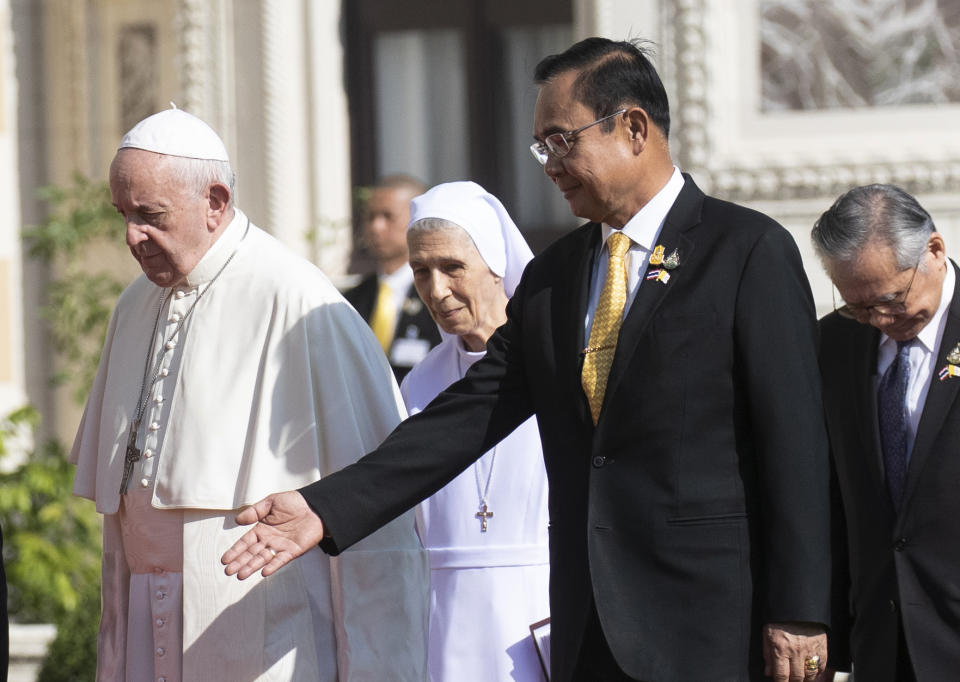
12, 388
207, 69
331, 210
286, 132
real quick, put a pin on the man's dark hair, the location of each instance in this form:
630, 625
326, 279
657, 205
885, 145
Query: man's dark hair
612, 74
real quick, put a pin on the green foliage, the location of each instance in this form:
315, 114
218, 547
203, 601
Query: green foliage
73, 654
80, 218
51, 543
52, 539
78, 215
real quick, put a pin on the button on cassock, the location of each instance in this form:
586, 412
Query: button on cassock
144, 482
179, 294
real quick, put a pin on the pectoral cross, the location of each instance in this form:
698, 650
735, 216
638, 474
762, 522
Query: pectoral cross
131, 457
483, 515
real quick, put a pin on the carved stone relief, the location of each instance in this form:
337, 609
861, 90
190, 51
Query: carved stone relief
859, 53
798, 79
137, 57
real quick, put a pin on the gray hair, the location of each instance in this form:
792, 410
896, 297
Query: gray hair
433, 225
429, 225
198, 174
869, 214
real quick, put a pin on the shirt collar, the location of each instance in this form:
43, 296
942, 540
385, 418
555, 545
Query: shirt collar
932, 331
219, 252
644, 227
400, 279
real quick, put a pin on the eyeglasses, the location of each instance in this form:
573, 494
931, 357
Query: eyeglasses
558, 144
888, 309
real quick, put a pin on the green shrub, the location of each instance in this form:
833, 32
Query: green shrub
73, 654
52, 540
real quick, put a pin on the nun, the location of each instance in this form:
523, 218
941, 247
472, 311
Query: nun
486, 531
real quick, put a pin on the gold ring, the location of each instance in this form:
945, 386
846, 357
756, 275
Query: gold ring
274, 553
812, 664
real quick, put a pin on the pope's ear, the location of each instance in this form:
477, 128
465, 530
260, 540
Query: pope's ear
218, 199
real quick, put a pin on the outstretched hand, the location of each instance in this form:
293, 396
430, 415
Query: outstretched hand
286, 528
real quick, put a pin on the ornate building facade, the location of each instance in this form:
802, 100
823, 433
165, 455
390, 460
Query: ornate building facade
779, 105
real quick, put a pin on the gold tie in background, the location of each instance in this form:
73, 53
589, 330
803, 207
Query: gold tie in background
383, 320
598, 355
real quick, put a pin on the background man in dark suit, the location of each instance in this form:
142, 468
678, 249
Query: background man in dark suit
387, 299
689, 520
890, 360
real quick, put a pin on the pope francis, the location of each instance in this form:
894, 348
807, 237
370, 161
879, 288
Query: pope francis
232, 369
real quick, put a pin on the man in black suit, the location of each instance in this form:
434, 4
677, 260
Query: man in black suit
890, 361
387, 299
689, 505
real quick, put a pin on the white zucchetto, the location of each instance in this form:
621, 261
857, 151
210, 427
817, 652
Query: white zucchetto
176, 133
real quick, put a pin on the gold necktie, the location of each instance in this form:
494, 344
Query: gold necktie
598, 355
383, 320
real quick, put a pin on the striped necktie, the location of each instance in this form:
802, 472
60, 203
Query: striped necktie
598, 355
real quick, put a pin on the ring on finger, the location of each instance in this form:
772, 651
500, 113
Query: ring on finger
812, 664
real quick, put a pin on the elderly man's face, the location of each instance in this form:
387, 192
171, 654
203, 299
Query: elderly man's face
385, 224
874, 280
462, 294
596, 176
167, 223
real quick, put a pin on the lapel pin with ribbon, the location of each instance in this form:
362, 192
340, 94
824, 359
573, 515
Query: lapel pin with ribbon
952, 368
670, 262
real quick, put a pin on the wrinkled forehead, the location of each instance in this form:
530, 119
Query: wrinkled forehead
442, 239
136, 165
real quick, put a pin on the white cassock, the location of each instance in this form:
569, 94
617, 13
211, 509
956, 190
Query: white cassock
273, 382
486, 589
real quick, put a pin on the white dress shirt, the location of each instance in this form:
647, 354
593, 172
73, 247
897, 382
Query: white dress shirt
922, 359
643, 230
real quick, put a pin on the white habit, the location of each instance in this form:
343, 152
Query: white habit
273, 382
486, 589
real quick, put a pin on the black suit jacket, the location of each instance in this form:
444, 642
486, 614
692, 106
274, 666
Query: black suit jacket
697, 509
414, 322
904, 565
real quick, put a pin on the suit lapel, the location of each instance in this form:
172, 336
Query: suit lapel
863, 363
569, 309
684, 214
940, 397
